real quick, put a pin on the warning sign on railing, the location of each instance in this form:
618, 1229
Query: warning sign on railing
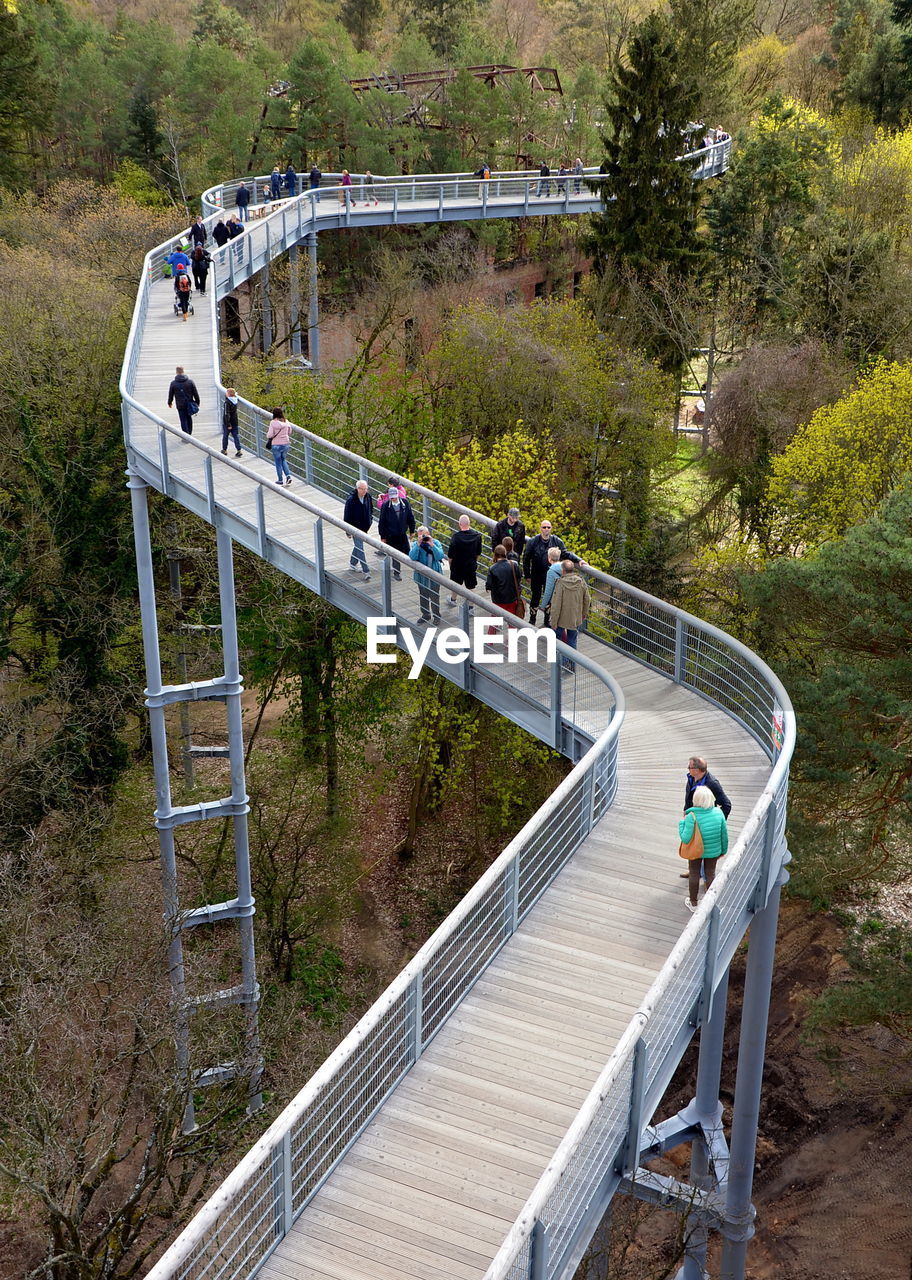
778, 730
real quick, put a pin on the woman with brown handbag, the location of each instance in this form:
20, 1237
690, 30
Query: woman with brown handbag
703, 832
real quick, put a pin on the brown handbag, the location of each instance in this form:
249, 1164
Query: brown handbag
694, 847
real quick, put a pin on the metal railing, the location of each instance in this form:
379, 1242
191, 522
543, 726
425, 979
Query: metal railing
708, 162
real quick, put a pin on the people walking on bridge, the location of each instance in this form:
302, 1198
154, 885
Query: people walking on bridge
359, 511
291, 180
182, 393
392, 483
698, 775
220, 233
198, 235
504, 584
535, 563
279, 434
178, 260
563, 175
483, 172
242, 200
544, 179
183, 288
314, 178
369, 193
200, 262
507, 545
555, 569
345, 188
577, 175
703, 812
235, 228
463, 553
396, 521
275, 182
230, 422
512, 525
427, 550
569, 609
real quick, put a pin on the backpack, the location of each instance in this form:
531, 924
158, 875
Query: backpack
183, 282
486, 172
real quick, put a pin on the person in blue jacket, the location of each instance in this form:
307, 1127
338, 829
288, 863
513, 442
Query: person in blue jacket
291, 180
275, 182
427, 551
705, 814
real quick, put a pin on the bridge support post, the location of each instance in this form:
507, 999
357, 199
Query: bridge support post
226, 688
161, 773
738, 1227
267, 311
313, 315
294, 303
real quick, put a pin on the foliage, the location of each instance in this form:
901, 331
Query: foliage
845, 461
709, 37
877, 989
516, 470
841, 646
23, 95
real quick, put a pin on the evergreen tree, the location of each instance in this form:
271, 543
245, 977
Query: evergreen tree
360, 19
144, 142
24, 98
709, 33
648, 194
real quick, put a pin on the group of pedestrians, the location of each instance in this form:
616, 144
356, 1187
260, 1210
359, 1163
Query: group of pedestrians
562, 177
703, 831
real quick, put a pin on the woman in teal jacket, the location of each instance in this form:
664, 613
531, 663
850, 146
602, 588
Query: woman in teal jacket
427, 551
714, 830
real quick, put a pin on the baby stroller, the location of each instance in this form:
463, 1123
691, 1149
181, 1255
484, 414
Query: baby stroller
180, 294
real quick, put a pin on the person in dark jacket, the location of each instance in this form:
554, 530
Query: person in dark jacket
291, 180
313, 181
359, 511
535, 563
235, 228
503, 582
699, 776
544, 179
275, 182
220, 233
182, 392
395, 523
198, 232
513, 526
242, 200
463, 553
230, 422
200, 263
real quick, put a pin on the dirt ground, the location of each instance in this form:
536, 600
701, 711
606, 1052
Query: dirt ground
833, 1180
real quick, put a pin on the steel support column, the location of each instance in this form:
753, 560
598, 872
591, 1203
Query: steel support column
245, 903
266, 302
161, 773
294, 302
739, 1212
313, 315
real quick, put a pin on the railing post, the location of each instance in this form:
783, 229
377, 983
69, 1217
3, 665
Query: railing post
287, 1184
210, 487
261, 521
540, 1250
416, 1014
680, 635
318, 557
556, 703
386, 587
629, 1158
762, 887
511, 896
704, 1005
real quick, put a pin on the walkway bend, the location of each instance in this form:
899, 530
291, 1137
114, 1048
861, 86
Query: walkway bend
479, 1116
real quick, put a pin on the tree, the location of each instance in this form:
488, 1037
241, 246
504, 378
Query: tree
836, 625
441, 22
648, 195
360, 19
844, 461
709, 37
144, 141
25, 97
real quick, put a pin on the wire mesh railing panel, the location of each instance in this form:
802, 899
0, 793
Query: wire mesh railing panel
676, 1004
586, 1165
553, 843
463, 956
643, 629
350, 1098
713, 668
521, 1267
243, 1235
737, 888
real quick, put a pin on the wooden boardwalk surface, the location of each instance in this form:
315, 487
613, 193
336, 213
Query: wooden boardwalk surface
433, 1185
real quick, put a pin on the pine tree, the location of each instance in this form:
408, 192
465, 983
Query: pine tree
144, 142
649, 197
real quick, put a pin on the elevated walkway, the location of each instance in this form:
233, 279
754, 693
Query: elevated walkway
479, 1118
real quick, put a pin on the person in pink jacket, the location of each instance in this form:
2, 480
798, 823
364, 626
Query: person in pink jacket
279, 434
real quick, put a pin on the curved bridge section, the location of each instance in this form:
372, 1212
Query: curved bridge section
478, 1119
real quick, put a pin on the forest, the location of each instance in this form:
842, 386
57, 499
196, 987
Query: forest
782, 288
